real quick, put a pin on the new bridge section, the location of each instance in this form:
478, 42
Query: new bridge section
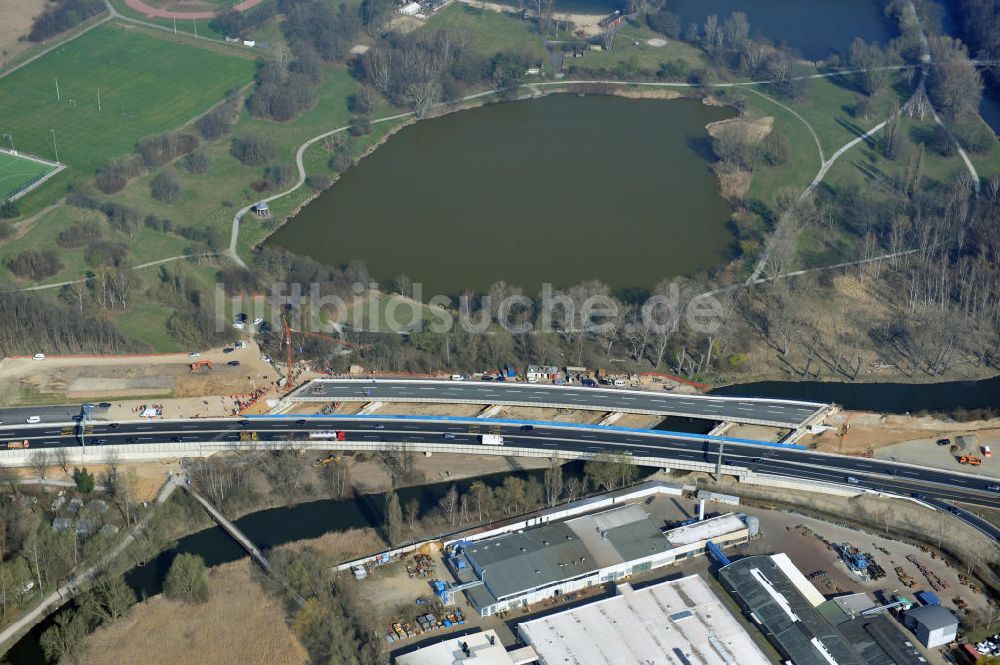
457, 435
750, 410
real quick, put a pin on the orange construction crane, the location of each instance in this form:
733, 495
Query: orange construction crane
287, 338
201, 363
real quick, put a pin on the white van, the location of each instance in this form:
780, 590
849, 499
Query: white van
457, 377
38, 356
34, 420
619, 382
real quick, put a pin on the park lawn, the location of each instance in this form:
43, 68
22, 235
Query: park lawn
148, 84
632, 52
864, 162
492, 32
146, 320
803, 160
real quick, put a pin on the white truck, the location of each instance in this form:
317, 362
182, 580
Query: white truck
491, 440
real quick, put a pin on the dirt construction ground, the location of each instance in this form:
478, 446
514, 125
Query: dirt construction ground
910, 439
68, 378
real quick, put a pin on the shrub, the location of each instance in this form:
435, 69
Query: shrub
35, 264
197, 162
104, 253
62, 16
166, 187
162, 148
253, 149
113, 177
78, 234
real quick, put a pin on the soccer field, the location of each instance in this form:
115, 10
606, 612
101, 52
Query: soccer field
18, 173
104, 91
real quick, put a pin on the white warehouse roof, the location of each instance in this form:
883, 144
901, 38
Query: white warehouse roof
480, 649
650, 625
705, 530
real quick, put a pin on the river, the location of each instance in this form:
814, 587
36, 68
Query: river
269, 528
559, 189
883, 397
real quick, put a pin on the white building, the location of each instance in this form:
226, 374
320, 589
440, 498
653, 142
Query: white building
676, 621
476, 649
933, 625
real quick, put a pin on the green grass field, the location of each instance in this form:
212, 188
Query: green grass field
148, 84
17, 173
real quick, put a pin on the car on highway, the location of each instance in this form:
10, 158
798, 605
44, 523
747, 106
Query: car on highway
993, 488
114, 425
32, 420
379, 426
300, 421
449, 435
527, 428
175, 439
851, 480
100, 442
38, 356
132, 439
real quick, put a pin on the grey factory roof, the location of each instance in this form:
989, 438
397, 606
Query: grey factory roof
879, 639
932, 617
518, 562
791, 622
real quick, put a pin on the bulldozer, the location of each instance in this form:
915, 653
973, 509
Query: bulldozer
971, 460
201, 363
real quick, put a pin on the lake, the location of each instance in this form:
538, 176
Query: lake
813, 27
559, 189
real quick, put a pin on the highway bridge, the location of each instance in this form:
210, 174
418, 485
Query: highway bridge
167, 438
751, 410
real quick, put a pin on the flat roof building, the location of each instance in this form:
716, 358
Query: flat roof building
525, 567
783, 603
475, 649
670, 622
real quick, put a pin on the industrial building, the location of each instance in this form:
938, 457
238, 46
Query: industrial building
528, 566
783, 603
680, 621
932, 624
808, 629
482, 648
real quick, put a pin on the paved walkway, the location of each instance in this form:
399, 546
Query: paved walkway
61, 595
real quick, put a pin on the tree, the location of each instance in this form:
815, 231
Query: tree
553, 482
108, 599
186, 579
40, 461
62, 458
412, 514
449, 504
9, 209
64, 639
953, 82
84, 480
393, 518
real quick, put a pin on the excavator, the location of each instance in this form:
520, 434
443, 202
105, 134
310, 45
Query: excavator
201, 363
329, 459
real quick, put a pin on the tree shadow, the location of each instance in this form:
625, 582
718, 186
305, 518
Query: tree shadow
857, 130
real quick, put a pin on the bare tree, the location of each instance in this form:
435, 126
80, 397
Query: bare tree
40, 461
62, 458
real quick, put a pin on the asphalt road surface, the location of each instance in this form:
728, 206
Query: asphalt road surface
801, 464
776, 412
